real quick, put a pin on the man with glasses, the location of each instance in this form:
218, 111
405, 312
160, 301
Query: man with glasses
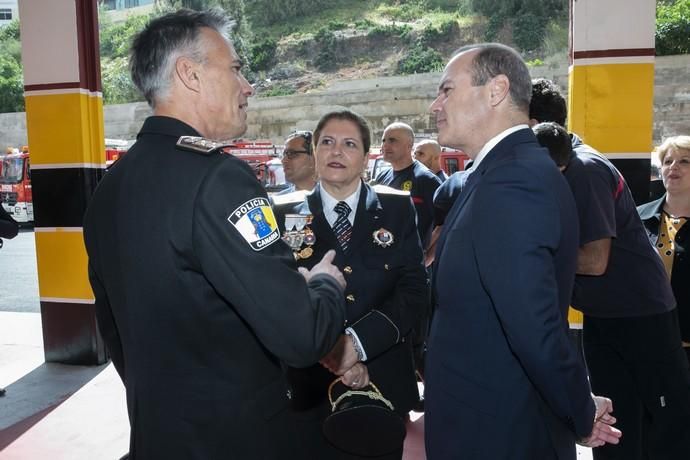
298, 162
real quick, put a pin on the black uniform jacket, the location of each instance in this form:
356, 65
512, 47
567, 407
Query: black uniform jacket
189, 275
650, 213
386, 289
8, 226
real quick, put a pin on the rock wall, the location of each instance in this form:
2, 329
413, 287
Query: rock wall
382, 101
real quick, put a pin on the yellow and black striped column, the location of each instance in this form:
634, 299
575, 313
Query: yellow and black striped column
64, 118
611, 86
611, 95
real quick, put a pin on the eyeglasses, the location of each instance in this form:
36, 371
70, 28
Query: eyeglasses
292, 154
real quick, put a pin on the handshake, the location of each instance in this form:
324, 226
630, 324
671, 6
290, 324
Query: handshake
343, 359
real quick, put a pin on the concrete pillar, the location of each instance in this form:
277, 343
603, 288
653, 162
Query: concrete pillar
611, 75
64, 113
611, 87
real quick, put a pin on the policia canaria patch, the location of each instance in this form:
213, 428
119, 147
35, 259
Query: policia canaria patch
256, 223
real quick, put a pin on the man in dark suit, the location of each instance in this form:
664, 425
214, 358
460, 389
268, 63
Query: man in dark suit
502, 378
188, 269
382, 262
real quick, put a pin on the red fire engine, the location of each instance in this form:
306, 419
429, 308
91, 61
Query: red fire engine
261, 156
15, 185
452, 160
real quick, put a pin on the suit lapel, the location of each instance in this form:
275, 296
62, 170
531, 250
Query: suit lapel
468, 188
494, 156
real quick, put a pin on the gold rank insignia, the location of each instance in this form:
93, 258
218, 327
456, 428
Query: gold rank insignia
201, 144
383, 237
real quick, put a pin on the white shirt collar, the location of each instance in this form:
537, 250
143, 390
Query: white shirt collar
328, 203
492, 143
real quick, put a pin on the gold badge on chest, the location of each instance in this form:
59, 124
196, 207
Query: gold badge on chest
383, 237
298, 233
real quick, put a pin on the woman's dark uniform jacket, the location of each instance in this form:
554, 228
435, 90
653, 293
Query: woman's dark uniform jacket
195, 314
650, 213
386, 289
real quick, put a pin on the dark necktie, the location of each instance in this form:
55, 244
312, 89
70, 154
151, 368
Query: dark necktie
342, 227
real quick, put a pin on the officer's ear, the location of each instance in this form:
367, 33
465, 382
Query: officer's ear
188, 73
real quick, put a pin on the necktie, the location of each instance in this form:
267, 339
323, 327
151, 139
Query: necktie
342, 227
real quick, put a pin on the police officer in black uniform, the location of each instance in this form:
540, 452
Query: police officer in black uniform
379, 251
188, 268
8, 229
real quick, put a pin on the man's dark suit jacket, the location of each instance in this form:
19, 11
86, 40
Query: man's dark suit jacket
502, 379
386, 290
192, 306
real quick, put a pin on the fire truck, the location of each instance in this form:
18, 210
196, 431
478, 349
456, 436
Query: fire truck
452, 160
263, 157
15, 171
15, 185
114, 149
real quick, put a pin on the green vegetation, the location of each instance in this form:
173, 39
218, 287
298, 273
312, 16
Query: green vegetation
278, 90
313, 33
263, 54
420, 60
328, 57
672, 27
11, 80
389, 30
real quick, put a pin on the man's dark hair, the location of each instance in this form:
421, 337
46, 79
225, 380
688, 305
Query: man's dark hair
349, 115
557, 140
166, 38
548, 104
307, 136
495, 59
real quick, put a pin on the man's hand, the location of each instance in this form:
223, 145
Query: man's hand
342, 357
357, 377
604, 410
603, 431
325, 266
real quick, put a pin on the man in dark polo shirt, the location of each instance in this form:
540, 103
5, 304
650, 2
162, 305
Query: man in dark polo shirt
409, 174
631, 336
428, 152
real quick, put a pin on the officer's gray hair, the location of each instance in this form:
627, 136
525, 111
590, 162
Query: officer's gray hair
496, 59
165, 39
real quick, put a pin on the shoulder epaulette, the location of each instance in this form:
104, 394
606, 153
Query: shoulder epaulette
200, 144
386, 190
297, 196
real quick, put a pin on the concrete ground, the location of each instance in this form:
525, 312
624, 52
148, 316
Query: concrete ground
60, 412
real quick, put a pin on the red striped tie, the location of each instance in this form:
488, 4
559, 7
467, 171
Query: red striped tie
342, 227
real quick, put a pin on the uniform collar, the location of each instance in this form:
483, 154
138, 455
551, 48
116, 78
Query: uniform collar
166, 126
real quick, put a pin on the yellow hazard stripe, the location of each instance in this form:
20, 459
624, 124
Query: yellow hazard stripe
611, 106
65, 128
62, 265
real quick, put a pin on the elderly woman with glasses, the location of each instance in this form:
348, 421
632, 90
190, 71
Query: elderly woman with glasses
373, 231
666, 221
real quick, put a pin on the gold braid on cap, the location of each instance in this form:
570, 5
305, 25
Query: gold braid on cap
376, 395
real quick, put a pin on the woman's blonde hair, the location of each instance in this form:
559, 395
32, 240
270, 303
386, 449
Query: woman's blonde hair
675, 142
